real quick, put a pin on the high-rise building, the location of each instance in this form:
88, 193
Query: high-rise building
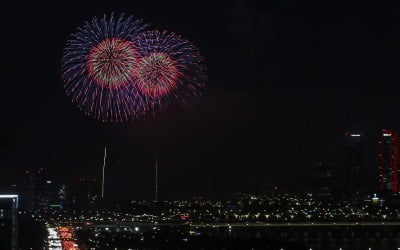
62, 196
354, 160
85, 193
323, 180
388, 155
41, 192
34, 180
8, 222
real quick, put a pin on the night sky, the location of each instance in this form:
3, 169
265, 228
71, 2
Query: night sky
285, 81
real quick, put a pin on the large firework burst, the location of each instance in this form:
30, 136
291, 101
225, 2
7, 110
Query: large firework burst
98, 66
169, 67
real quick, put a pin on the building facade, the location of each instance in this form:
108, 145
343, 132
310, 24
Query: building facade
9, 222
323, 181
354, 160
388, 155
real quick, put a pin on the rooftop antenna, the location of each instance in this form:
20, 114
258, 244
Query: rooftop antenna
104, 166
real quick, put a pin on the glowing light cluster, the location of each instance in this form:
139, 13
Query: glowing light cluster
115, 71
61, 238
54, 242
67, 240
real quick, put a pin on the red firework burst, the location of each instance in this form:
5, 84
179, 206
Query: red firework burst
111, 62
157, 74
169, 69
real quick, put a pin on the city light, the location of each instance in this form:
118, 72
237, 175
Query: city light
61, 238
14, 197
53, 239
8, 196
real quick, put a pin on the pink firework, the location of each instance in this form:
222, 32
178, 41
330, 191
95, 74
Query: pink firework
169, 68
157, 74
111, 62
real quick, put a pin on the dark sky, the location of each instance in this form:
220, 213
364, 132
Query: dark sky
285, 81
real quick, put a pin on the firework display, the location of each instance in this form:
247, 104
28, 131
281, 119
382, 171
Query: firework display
169, 69
97, 68
111, 62
115, 71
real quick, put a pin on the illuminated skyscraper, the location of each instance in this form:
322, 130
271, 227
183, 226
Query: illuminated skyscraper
388, 162
8, 222
354, 160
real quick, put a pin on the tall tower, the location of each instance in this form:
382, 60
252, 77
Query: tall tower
354, 160
388, 161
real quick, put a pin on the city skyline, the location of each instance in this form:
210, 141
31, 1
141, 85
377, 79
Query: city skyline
353, 174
